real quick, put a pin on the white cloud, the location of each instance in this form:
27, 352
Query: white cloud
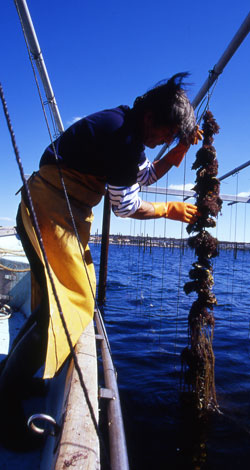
181, 187
74, 119
244, 194
6, 219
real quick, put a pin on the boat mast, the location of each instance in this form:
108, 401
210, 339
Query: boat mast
35, 50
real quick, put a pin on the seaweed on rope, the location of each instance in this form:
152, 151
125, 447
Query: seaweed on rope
198, 357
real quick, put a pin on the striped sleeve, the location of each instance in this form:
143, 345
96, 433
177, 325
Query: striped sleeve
146, 174
125, 201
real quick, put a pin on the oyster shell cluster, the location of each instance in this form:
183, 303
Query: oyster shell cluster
198, 358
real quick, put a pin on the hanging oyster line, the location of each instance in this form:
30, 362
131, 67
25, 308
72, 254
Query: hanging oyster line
198, 358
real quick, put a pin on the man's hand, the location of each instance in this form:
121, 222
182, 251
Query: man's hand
182, 211
196, 136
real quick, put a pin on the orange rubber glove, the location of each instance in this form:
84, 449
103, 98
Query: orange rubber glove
182, 211
196, 135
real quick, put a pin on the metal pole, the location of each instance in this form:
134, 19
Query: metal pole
118, 448
104, 251
30, 34
188, 194
218, 68
235, 170
35, 50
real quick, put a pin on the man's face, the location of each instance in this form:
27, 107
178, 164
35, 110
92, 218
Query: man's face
153, 136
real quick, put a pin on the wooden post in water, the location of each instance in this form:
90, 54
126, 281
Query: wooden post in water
104, 251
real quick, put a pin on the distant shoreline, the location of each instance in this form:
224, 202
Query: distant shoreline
145, 241
162, 242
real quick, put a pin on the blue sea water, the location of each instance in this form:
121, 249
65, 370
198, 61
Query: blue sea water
146, 314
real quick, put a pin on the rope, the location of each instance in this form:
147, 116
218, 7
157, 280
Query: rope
235, 246
180, 260
12, 252
59, 169
40, 241
242, 284
79, 244
163, 264
236, 213
228, 259
14, 270
43, 103
3, 252
152, 255
207, 98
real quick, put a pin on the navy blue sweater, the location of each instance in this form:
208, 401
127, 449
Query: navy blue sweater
102, 144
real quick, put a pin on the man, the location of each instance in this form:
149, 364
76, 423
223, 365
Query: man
103, 151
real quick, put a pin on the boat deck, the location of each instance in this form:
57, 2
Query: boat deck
65, 400
12, 290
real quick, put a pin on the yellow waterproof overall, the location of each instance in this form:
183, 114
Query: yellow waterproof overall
72, 278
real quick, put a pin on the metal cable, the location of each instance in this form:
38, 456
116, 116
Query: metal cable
206, 99
41, 245
180, 260
60, 172
14, 270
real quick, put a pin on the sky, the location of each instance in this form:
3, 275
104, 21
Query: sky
103, 54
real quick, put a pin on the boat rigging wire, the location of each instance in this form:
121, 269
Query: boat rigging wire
60, 129
41, 245
35, 51
206, 99
82, 256
219, 67
236, 212
180, 263
119, 459
163, 270
15, 253
232, 272
244, 252
14, 270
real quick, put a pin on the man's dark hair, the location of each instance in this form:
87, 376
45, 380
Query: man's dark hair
169, 105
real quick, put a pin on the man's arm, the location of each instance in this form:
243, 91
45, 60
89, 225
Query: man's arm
182, 211
176, 155
173, 157
145, 211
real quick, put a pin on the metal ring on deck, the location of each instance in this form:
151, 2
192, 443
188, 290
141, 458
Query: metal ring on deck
41, 416
5, 312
